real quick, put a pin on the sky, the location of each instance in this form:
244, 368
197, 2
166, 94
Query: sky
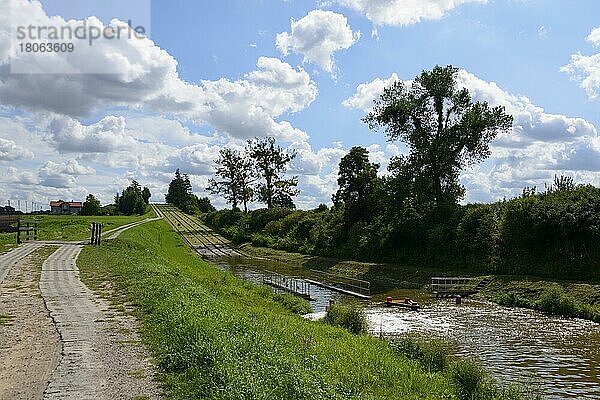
208, 74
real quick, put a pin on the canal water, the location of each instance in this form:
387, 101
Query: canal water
559, 356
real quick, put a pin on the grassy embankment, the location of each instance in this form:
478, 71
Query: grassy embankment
216, 336
69, 227
562, 298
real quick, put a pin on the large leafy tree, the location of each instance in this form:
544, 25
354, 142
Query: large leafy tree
444, 129
271, 163
359, 185
91, 206
234, 178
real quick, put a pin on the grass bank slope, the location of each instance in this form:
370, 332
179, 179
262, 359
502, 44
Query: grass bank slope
563, 298
217, 337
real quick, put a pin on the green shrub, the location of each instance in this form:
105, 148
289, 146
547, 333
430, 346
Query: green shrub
433, 354
349, 317
469, 379
261, 240
293, 303
512, 299
555, 301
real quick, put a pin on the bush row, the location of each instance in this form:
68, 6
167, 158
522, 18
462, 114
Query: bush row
553, 234
554, 301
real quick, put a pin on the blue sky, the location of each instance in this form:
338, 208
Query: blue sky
200, 84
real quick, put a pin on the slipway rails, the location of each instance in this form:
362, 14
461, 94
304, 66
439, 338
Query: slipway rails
203, 240
209, 245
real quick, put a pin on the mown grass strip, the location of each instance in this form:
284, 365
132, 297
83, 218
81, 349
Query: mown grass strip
215, 336
75, 227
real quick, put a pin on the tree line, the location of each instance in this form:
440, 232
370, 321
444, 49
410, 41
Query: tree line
413, 214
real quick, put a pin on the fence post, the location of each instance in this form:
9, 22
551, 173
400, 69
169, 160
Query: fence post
18, 232
98, 234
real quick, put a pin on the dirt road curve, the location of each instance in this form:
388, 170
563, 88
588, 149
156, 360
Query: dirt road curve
100, 358
58, 339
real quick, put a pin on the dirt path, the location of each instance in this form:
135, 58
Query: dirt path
8, 260
29, 342
59, 340
102, 357
116, 232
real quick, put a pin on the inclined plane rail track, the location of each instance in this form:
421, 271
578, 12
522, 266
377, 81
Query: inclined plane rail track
198, 236
190, 234
211, 236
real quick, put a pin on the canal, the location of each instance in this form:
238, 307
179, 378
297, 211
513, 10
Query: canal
560, 356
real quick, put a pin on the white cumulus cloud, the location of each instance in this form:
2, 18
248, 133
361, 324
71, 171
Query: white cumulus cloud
63, 175
403, 12
10, 151
145, 77
586, 69
367, 93
317, 36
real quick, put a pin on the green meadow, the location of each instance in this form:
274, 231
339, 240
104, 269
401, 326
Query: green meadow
69, 227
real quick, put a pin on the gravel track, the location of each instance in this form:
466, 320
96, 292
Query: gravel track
101, 354
29, 342
58, 339
8, 260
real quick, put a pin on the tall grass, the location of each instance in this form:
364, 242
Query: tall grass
215, 336
7, 242
351, 318
468, 379
434, 355
554, 301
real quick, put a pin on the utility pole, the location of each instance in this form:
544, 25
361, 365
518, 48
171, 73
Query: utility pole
18, 204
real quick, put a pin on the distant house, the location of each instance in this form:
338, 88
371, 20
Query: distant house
65, 207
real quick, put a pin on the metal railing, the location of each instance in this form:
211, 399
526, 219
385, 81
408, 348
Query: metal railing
345, 282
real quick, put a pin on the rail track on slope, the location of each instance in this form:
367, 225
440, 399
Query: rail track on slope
199, 237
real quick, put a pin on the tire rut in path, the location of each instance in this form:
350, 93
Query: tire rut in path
29, 343
101, 354
8, 260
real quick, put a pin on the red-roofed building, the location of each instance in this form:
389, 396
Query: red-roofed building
65, 207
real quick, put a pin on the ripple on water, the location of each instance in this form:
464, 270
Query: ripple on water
562, 356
